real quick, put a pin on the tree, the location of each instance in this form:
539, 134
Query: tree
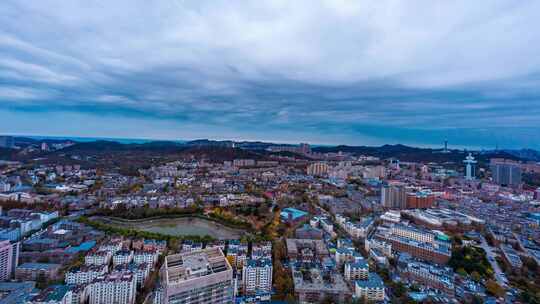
494, 289
290, 299
399, 289
457, 240
476, 276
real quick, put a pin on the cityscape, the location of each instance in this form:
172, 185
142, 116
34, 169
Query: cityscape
252, 222
269, 152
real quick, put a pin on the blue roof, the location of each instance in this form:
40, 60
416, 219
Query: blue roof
39, 265
417, 296
295, 213
85, 246
16, 293
374, 281
53, 293
359, 264
344, 250
259, 262
41, 241
535, 216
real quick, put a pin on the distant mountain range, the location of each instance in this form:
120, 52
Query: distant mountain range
246, 149
527, 154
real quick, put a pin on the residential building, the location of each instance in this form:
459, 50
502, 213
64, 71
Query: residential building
419, 243
16, 292
198, 277
12, 234
318, 169
357, 270
506, 172
306, 250
394, 195
244, 162
37, 271
420, 199
98, 258
145, 256
511, 256
122, 257
117, 287
58, 294
344, 255
257, 276
313, 284
309, 232
85, 274
6, 260
439, 278
140, 271
371, 289
384, 247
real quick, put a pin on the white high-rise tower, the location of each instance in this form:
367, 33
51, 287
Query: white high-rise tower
469, 167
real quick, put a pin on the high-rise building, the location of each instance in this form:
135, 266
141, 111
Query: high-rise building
6, 260
420, 199
15, 250
394, 195
85, 274
4, 186
117, 287
197, 277
257, 276
506, 172
7, 142
303, 149
318, 169
243, 162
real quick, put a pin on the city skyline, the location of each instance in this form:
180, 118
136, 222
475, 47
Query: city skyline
326, 72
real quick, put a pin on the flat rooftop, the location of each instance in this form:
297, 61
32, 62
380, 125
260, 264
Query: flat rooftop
312, 278
186, 266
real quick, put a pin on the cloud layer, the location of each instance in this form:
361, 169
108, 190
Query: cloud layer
357, 72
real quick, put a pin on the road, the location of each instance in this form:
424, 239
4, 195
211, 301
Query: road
499, 274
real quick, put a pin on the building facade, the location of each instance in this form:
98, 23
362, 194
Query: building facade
6, 260
257, 276
394, 196
199, 277
117, 287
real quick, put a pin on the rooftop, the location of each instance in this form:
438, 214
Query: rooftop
314, 278
295, 213
39, 266
52, 294
191, 265
373, 281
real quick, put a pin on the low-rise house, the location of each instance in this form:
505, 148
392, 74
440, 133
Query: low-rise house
37, 271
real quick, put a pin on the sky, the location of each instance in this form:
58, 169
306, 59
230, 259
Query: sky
324, 72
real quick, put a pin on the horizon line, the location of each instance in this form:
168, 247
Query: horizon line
119, 139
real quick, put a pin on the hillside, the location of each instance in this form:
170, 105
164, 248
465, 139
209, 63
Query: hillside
413, 154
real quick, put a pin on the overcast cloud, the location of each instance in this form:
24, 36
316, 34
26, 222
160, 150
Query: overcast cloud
355, 72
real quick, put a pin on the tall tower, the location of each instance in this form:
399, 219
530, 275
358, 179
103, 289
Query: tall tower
469, 167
